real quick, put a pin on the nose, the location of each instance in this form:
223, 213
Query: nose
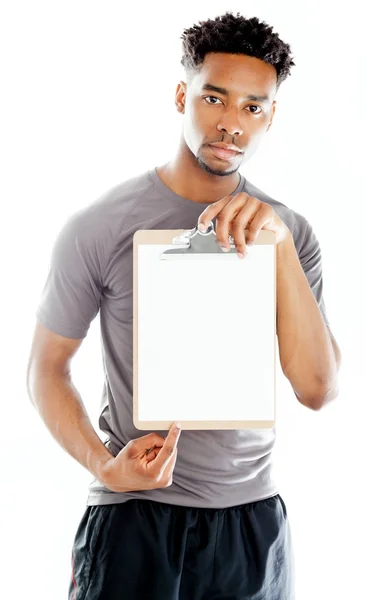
229, 123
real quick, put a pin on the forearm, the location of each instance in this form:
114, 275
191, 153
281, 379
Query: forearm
61, 408
306, 351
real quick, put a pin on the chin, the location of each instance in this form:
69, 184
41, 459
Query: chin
214, 171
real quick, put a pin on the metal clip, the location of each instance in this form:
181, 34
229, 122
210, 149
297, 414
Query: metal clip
195, 241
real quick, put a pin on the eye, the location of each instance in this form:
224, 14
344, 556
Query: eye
257, 111
212, 98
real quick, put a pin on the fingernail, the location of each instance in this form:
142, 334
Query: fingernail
240, 255
225, 249
201, 227
178, 425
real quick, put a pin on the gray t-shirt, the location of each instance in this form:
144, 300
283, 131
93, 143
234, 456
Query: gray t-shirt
91, 272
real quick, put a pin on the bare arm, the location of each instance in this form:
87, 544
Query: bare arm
59, 403
309, 355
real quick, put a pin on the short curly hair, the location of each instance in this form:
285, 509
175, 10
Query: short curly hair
236, 35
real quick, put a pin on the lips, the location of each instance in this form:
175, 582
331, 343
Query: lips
223, 154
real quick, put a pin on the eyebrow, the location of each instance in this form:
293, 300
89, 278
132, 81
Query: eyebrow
214, 88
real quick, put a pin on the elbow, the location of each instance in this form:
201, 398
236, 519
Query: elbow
320, 398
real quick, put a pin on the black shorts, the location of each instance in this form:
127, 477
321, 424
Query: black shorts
145, 550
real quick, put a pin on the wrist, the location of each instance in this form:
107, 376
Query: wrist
97, 463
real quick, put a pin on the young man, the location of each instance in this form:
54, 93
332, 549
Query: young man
201, 519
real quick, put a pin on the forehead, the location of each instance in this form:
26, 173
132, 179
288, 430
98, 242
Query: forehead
238, 73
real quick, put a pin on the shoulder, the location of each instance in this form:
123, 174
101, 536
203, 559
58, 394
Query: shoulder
99, 224
108, 211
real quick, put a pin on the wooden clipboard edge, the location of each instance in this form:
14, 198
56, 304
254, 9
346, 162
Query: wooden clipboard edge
203, 425
165, 236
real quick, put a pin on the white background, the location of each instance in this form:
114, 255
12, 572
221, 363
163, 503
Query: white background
87, 102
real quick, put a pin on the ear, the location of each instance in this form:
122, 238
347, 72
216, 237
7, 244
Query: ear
272, 115
180, 96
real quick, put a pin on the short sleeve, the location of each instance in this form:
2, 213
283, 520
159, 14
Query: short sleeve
72, 292
311, 262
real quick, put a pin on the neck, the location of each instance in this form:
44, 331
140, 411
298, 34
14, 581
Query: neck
186, 178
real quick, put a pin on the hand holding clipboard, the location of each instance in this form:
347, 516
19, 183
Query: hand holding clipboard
243, 217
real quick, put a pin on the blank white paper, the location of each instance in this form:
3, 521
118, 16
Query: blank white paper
206, 336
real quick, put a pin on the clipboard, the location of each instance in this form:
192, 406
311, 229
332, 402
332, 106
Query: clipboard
204, 331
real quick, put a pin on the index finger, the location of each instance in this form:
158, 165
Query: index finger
159, 464
211, 212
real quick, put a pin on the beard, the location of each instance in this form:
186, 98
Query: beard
212, 171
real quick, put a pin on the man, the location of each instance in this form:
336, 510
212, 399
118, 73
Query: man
201, 519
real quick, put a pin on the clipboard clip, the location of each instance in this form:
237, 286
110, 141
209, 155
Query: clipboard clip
195, 241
